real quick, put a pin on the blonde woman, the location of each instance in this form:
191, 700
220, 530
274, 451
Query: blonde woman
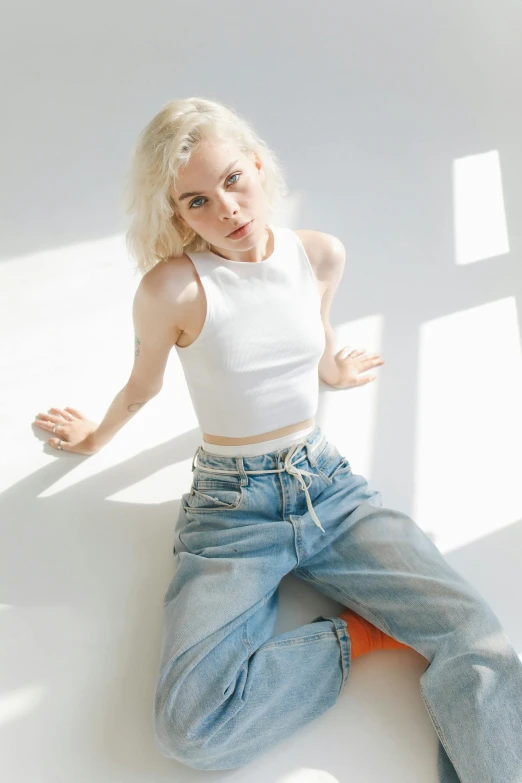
245, 303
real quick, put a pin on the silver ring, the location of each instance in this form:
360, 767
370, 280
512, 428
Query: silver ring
58, 446
55, 426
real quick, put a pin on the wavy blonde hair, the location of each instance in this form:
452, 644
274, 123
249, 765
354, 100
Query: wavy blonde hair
163, 147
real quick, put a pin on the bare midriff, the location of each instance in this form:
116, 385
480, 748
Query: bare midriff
281, 432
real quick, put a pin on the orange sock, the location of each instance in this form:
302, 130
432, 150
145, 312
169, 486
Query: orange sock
365, 637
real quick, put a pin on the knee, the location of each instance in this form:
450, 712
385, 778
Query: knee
177, 740
173, 744
173, 737
195, 754
473, 628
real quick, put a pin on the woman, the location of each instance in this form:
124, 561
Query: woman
246, 304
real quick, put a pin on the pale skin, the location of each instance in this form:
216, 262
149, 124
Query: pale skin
170, 304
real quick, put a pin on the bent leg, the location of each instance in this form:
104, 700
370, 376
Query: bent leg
227, 690
381, 564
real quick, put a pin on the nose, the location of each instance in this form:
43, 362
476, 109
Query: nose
228, 206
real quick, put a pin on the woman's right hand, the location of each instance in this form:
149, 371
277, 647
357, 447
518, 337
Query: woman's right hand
73, 430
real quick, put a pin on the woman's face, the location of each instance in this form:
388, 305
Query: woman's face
225, 191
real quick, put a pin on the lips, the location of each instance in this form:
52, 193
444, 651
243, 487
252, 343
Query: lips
239, 228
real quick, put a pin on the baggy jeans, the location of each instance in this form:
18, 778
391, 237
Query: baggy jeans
228, 690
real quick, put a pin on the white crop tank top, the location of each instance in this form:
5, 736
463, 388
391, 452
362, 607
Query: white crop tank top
254, 366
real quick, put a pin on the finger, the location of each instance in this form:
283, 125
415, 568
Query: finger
363, 379
75, 412
47, 424
51, 417
63, 444
347, 353
46, 418
367, 363
61, 412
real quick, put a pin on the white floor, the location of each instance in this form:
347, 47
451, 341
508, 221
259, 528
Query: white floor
86, 543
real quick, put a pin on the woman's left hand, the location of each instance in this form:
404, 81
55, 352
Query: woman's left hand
352, 365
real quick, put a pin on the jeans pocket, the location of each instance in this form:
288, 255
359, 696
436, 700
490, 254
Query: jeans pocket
343, 467
213, 495
331, 463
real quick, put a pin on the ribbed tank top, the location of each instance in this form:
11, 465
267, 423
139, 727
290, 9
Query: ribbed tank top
254, 366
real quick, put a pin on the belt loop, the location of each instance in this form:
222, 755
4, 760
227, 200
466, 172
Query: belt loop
310, 450
194, 457
241, 470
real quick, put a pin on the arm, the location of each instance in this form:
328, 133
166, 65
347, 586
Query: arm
155, 334
330, 271
340, 370
124, 406
327, 256
328, 369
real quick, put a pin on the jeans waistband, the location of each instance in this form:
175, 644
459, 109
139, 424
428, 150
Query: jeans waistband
248, 464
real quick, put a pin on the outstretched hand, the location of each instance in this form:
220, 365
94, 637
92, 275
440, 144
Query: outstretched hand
351, 364
72, 429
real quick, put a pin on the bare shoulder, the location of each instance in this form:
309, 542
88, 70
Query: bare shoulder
327, 256
326, 252
170, 276
174, 283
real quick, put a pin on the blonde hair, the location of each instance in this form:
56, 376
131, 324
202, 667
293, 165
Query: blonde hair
163, 147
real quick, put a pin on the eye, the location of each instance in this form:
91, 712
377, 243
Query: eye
193, 202
199, 198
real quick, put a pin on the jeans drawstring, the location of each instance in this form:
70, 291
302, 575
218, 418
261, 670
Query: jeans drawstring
289, 467
299, 473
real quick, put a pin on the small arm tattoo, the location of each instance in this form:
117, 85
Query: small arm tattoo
136, 346
136, 406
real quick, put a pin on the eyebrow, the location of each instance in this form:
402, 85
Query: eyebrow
197, 192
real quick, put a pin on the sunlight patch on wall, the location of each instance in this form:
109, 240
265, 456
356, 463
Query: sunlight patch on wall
67, 311
469, 424
159, 487
478, 202
20, 702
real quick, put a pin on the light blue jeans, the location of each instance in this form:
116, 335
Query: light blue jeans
228, 690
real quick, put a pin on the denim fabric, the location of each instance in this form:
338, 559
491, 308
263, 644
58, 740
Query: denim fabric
228, 690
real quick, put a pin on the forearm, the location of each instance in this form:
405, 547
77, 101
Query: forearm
328, 373
328, 369
124, 407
